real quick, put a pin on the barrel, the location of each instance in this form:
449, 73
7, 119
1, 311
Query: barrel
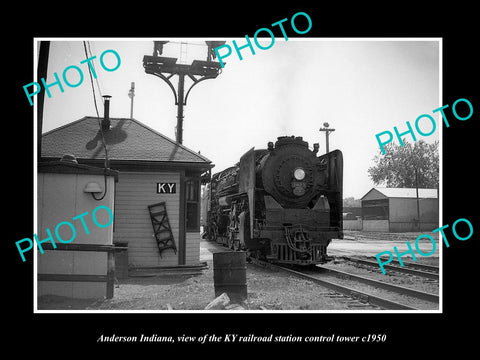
230, 274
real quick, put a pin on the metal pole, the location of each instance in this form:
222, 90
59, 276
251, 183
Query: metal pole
160, 66
327, 133
181, 83
326, 136
41, 73
418, 200
131, 94
131, 108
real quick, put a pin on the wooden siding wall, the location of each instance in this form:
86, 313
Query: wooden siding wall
134, 192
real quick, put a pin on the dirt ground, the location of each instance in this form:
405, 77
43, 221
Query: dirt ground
193, 291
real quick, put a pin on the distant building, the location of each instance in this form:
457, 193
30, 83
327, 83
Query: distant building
151, 169
352, 212
395, 209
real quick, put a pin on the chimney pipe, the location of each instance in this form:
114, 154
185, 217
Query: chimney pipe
106, 114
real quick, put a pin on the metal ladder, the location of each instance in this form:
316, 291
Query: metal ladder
161, 227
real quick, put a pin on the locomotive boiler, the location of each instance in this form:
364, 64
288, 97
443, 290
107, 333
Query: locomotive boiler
282, 204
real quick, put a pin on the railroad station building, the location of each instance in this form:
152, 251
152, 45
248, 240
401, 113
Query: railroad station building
157, 197
398, 209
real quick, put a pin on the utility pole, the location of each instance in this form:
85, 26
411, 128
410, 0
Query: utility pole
327, 133
166, 67
416, 162
131, 95
418, 199
41, 73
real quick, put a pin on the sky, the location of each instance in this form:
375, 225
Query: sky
361, 87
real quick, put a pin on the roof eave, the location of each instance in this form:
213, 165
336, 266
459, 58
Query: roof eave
144, 165
65, 167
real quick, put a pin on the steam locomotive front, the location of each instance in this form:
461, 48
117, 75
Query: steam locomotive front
292, 173
298, 210
282, 204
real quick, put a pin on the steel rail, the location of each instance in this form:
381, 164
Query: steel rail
374, 300
383, 285
433, 269
405, 270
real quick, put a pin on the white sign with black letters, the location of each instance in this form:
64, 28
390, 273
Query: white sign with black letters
166, 188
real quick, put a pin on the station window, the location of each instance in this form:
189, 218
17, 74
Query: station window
192, 194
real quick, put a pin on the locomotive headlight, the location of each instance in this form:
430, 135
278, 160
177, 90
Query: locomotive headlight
299, 174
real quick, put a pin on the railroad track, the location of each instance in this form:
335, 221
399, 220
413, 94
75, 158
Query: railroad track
350, 298
401, 290
317, 275
424, 271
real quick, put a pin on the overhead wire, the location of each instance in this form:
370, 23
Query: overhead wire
106, 162
96, 78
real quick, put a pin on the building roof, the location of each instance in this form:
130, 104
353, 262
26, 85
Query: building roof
383, 193
126, 140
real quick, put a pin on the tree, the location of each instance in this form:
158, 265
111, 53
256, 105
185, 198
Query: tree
407, 166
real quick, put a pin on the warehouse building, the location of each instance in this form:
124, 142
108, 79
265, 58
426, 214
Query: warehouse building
399, 210
157, 196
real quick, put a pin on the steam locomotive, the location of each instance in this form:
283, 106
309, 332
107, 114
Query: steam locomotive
282, 204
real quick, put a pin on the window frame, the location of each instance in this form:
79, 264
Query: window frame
192, 201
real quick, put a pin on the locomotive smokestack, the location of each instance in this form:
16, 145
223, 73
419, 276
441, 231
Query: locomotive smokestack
106, 113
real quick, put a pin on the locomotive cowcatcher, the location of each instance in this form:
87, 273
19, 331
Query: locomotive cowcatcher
282, 204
